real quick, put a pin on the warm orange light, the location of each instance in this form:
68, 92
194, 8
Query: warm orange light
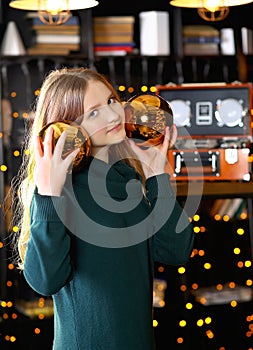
53, 12
210, 10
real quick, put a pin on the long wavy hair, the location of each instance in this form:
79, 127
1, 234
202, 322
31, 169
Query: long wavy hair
61, 98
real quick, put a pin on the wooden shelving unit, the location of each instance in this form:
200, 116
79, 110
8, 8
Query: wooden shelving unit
217, 189
130, 70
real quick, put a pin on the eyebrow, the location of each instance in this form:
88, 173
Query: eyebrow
98, 105
92, 107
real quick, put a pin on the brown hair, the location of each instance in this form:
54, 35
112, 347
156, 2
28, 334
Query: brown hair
61, 98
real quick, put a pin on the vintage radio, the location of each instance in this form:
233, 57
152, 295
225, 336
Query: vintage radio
214, 123
210, 110
214, 164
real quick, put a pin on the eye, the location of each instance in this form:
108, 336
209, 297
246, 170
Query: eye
93, 113
112, 100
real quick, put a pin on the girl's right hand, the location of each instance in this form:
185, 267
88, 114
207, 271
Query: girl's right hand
154, 158
50, 169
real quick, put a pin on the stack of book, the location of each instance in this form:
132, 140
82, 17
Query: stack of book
55, 40
201, 40
113, 35
225, 295
230, 207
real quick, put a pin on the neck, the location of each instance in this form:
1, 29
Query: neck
100, 153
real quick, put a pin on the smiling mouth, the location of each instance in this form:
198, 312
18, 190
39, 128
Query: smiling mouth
115, 128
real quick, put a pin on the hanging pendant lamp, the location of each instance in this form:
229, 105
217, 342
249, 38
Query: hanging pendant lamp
210, 10
53, 12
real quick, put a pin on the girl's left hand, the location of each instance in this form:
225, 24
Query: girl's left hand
51, 169
154, 158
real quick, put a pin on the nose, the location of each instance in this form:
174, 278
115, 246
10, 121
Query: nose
112, 114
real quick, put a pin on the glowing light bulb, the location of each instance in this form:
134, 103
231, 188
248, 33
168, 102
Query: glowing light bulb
212, 5
54, 7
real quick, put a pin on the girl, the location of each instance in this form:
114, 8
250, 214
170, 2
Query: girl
89, 239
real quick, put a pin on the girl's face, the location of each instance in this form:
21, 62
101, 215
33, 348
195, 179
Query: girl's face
104, 118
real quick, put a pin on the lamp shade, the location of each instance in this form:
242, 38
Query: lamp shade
207, 3
31, 5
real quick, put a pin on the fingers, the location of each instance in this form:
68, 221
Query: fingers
38, 147
69, 160
47, 148
173, 135
170, 137
166, 141
48, 142
60, 145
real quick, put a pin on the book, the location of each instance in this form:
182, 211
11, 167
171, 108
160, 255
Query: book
113, 48
103, 28
234, 208
111, 53
113, 19
52, 49
219, 207
201, 49
213, 296
60, 45
242, 212
201, 39
215, 209
112, 39
57, 38
224, 208
200, 30
64, 30
48, 52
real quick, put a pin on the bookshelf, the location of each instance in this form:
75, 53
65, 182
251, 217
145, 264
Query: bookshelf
188, 66
220, 190
216, 189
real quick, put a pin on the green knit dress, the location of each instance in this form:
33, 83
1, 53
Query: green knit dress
93, 249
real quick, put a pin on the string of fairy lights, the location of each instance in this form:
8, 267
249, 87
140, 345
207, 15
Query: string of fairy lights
200, 265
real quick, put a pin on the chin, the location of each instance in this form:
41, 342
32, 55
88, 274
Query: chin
115, 142
119, 138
